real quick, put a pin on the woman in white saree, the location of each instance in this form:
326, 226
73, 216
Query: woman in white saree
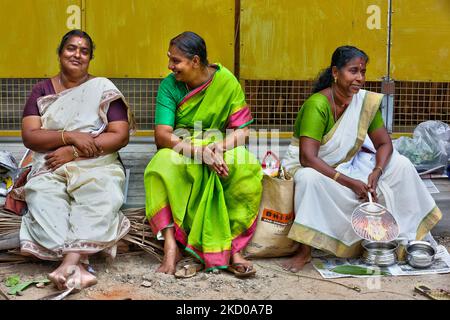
74, 123
340, 151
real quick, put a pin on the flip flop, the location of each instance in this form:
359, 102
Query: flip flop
188, 270
435, 294
235, 268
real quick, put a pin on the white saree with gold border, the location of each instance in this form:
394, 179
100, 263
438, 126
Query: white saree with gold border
323, 207
76, 208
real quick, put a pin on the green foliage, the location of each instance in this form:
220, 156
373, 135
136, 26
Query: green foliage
12, 280
16, 286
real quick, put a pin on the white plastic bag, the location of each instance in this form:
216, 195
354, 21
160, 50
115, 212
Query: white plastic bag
270, 164
427, 149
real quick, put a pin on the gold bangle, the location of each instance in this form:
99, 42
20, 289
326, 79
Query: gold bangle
62, 137
336, 175
75, 153
378, 167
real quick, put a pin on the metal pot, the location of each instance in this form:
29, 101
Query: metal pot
381, 254
420, 254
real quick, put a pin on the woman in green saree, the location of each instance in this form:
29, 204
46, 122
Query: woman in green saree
202, 187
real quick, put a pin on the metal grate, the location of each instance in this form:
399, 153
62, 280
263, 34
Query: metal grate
140, 93
275, 103
13, 95
415, 102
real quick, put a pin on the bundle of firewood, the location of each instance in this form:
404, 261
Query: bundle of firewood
9, 230
139, 235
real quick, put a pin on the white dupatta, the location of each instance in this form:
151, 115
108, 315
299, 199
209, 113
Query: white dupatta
83, 108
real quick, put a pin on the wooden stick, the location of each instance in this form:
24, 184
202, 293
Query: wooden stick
4, 293
9, 244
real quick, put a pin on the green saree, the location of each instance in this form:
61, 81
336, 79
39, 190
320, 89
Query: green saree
213, 217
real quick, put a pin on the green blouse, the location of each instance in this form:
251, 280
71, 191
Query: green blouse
170, 94
315, 118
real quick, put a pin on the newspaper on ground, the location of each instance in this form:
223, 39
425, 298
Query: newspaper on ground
431, 187
331, 267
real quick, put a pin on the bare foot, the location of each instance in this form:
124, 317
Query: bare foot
298, 261
57, 278
87, 279
171, 257
76, 277
240, 262
60, 276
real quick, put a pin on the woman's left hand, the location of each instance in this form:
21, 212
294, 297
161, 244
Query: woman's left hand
372, 182
59, 157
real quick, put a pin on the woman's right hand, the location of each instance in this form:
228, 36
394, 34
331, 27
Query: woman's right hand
84, 142
59, 157
215, 161
360, 189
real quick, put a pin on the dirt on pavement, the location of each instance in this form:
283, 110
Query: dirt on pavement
132, 276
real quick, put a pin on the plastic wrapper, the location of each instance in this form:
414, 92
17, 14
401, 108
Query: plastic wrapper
429, 146
271, 164
8, 172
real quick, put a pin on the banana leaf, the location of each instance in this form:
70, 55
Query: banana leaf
16, 286
359, 271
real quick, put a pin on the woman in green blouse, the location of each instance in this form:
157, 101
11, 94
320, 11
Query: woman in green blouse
202, 187
339, 153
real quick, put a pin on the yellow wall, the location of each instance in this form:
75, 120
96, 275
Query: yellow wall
29, 36
132, 37
292, 39
421, 40
280, 39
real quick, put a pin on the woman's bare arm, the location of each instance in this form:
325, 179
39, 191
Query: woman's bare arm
383, 144
42, 140
115, 137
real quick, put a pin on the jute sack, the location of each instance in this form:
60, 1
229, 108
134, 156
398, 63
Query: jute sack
275, 217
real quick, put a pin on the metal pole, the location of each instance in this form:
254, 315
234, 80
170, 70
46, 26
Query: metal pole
389, 27
388, 85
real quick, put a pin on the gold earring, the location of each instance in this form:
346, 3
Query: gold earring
335, 80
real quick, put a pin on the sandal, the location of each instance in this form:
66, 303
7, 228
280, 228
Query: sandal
435, 294
241, 270
188, 270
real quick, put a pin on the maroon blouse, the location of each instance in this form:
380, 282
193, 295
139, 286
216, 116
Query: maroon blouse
117, 109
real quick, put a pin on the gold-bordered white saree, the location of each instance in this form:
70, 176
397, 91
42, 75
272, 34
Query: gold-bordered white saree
76, 207
324, 207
